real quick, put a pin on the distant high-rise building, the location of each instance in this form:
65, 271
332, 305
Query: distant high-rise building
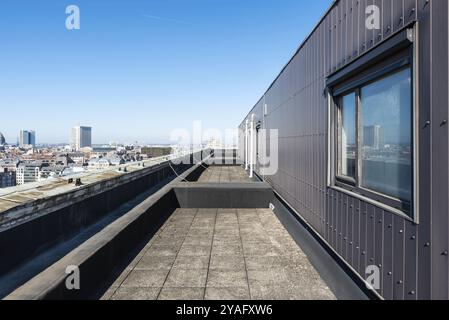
373, 137
81, 137
2, 139
27, 138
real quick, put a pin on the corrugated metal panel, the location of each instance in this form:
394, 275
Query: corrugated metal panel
411, 257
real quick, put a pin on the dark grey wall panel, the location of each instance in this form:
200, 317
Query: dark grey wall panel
439, 110
424, 235
412, 257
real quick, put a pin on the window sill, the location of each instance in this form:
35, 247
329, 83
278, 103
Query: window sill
374, 203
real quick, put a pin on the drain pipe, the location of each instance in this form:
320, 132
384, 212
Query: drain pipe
246, 145
251, 156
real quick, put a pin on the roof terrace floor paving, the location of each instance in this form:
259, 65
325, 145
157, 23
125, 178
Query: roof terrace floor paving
220, 254
224, 174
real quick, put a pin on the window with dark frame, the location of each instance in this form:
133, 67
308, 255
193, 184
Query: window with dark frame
374, 138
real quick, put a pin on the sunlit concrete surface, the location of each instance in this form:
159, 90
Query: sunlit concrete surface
220, 254
224, 174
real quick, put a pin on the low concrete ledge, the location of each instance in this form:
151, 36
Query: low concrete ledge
97, 257
224, 195
66, 214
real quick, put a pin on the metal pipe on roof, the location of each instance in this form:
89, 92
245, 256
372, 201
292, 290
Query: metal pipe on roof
251, 170
246, 144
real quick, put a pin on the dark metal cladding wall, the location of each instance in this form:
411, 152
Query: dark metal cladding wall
413, 258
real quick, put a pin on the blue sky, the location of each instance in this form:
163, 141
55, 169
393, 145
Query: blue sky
138, 69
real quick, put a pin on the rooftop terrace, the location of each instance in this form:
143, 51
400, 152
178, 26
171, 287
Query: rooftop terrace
210, 234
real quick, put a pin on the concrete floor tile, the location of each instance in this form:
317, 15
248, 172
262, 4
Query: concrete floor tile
271, 277
162, 250
181, 294
145, 278
198, 240
194, 251
191, 263
264, 263
259, 250
226, 278
134, 293
227, 250
155, 263
180, 278
227, 263
229, 293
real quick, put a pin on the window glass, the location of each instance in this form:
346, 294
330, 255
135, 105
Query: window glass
348, 136
386, 136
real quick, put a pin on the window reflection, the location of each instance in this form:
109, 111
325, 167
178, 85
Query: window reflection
348, 136
387, 136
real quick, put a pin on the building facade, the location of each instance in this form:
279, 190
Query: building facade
27, 138
27, 173
81, 137
2, 139
7, 178
379, 202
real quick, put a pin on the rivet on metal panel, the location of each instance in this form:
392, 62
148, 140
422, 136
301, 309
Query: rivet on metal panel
443, 123
445, 253
412, 293
413, 238
390, 273
363, 253
401, 231
371, 259
350, 243
399, 282
380, 221
427, 245
390, 226
380, 266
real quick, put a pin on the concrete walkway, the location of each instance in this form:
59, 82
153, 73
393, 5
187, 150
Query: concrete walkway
224, 174
220, 254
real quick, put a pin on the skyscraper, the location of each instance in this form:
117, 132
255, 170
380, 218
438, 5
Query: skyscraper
27, 138
81, 137
373, 137
2, 139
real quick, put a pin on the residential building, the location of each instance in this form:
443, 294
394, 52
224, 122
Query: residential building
27, 173
7, 178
